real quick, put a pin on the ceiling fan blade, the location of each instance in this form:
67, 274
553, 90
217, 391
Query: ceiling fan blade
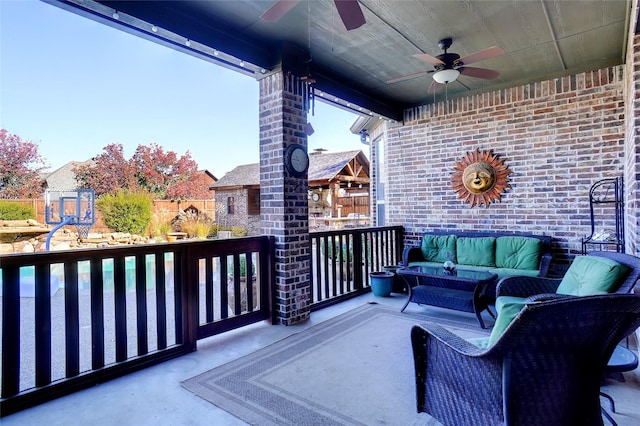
408, 77
278, 10
434, 86
428, 59
481, 55
479, 72
350, 13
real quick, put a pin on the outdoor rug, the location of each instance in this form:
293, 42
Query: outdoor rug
353, 369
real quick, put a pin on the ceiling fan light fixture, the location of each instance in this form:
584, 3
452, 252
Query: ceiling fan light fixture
446, 76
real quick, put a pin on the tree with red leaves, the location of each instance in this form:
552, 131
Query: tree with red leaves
108, 172
20, 167
163, 174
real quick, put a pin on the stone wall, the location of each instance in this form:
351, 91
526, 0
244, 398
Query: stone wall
558, 137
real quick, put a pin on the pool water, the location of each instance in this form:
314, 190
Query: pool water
27, 275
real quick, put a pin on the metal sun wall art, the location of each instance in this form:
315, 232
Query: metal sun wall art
480, 177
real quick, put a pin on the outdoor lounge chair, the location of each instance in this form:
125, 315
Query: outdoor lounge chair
545, 369
521, 286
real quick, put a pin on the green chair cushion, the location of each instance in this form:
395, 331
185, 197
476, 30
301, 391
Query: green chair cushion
591, 275
481, 342
508, 308
438, 248
478, 251
518, 252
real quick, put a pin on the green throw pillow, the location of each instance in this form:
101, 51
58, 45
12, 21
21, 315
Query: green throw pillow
509, 307
479, 251
590, 275
518, 252
438, 248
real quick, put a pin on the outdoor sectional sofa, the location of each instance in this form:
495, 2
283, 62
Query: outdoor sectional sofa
502, 253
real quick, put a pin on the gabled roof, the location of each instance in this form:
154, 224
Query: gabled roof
208, 173
64, 178
244, 175
327, 165
322, 167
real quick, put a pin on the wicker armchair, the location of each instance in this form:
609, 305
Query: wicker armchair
546, 368
520, 286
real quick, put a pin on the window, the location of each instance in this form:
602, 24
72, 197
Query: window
253, 201
231, 208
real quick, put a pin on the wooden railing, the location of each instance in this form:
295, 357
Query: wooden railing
342, 260
76, 318
73, 319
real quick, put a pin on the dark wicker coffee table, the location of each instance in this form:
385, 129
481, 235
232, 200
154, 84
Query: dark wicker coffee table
462, 291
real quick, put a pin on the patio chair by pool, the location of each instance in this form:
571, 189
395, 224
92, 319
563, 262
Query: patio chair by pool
545, 368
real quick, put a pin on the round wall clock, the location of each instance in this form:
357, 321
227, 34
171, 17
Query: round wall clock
296, 160
315, 197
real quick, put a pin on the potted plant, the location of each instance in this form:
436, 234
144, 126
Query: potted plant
381, 283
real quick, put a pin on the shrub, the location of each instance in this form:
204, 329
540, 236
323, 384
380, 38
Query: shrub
126, 211
159, 229
195, 228
242, 265
213, 230
16, 211
238, 231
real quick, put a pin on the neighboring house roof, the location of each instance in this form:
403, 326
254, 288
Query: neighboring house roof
327, 165
322, 167
64, 178
208, 173
245, 175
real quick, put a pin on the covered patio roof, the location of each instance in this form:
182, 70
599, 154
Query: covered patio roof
372, 69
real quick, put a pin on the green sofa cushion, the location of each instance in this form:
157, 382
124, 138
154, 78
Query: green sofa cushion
518, 252
438, 248
591, 275
508, 272
478, 251
508, 308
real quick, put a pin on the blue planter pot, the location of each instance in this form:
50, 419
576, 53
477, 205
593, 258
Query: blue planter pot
381, 283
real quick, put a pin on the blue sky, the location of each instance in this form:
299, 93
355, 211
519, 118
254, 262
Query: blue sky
73, 86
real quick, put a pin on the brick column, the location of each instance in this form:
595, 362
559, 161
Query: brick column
632, 140
284, 209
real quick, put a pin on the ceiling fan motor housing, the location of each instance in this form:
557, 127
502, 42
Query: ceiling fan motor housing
449, 60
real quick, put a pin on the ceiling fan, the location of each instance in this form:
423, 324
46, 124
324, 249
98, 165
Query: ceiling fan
349, 11
448, 66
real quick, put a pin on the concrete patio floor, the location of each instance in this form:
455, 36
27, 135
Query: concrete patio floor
154, 396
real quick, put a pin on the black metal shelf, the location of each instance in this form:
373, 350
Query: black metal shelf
602, 193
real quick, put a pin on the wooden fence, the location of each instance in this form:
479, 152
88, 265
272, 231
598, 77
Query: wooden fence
163, 210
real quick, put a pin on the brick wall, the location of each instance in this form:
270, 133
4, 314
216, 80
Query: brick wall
240, 217
284, 206
632, 167
558, 137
